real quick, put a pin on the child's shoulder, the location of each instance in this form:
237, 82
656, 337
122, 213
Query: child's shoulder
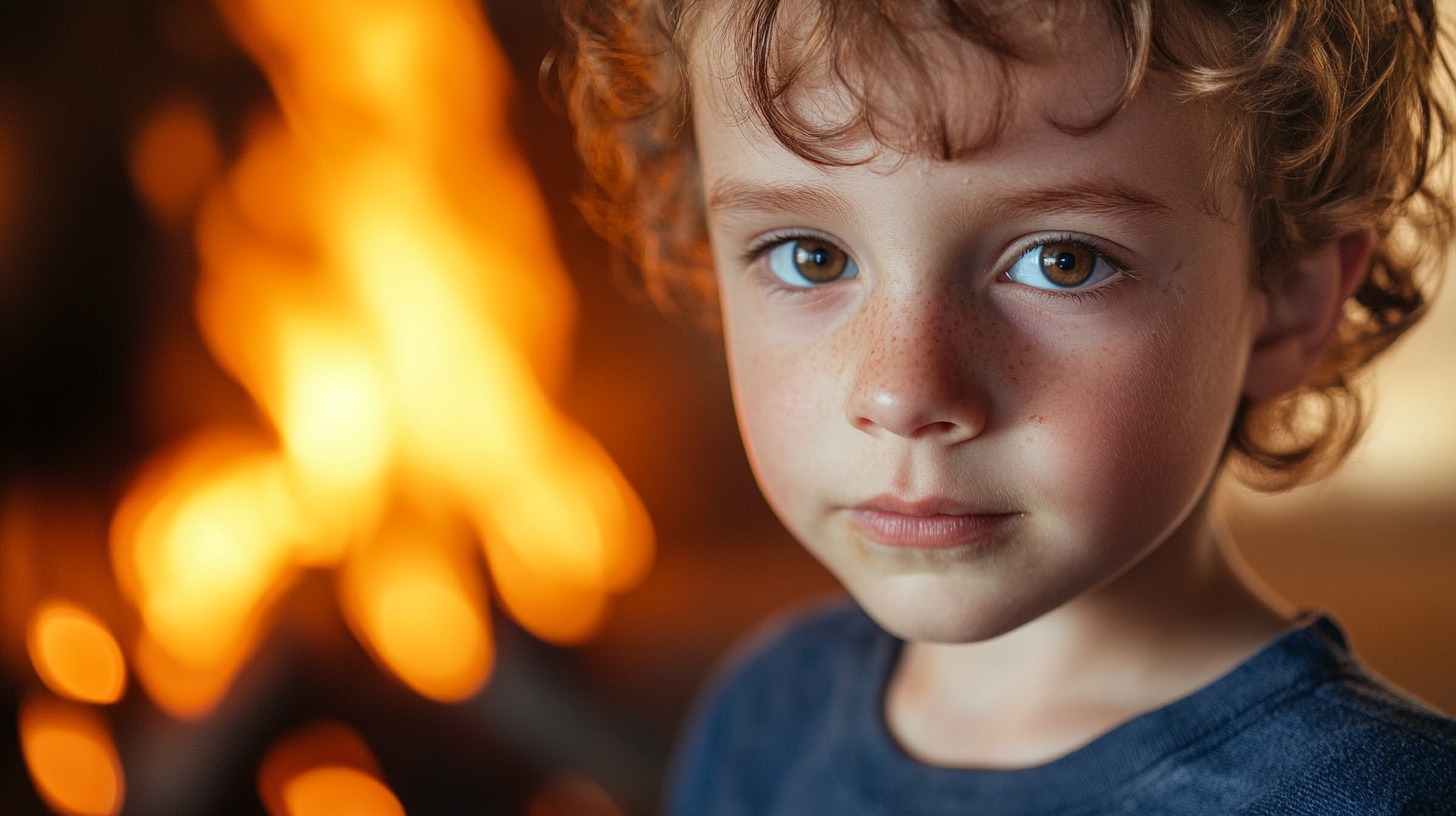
1327, 686
1304, 727
1356, 746
1348, 748
786, 699
802, 650
1366, 705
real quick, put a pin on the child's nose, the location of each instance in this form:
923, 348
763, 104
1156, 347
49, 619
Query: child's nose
915, 375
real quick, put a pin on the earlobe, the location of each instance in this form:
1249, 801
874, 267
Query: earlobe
1302, 312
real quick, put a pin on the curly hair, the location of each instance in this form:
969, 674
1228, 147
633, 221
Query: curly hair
1335, 111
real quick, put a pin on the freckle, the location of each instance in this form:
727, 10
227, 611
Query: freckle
1029, 440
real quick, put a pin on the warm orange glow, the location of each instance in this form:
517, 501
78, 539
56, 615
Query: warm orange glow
72, 761
185, 689
201, 543
378, 273
75, 654
173, 158
326, 791
420, 611
321, 770
556, 609
329, 791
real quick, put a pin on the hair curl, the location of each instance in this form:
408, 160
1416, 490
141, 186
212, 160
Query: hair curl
1336, 118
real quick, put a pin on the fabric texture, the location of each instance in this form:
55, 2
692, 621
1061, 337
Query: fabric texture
795, 729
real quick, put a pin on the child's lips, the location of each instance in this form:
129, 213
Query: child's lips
933, 523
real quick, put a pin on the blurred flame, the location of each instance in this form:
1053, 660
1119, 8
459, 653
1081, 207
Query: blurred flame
71, 758
378, 274
185, 689
197, 545
419, 607
173, 158
333, 790
75, 653
200, 543
321, 770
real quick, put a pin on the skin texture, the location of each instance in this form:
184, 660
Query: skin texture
1056, 447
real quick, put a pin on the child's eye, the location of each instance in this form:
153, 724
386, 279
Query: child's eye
1060, 265
805, 262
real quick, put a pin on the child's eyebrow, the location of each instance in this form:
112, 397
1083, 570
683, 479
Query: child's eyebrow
730, 195
1097, 197
1084, 197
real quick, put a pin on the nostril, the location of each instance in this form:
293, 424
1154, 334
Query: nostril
943, 421
865, 424
943, 428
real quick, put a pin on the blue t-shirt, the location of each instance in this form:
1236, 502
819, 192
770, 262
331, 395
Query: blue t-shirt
796, 729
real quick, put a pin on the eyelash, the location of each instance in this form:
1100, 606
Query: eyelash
1124, 273
762, 245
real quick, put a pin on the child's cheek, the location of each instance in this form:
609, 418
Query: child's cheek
783, 396
1127, 426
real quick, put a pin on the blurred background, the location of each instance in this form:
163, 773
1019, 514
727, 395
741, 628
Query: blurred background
237, 239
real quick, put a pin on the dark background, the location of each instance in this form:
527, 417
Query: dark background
91, 287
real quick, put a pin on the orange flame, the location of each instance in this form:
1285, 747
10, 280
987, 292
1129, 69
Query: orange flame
378, 273
173, 158
321, 770
419, 607
329, 790
75, 653
71, 758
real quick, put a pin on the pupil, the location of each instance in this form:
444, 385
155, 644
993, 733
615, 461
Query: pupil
820, 257
1065, 261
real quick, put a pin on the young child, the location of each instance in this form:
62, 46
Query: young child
1005, 284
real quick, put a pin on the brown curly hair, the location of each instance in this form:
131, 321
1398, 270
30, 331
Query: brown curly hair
1336, 120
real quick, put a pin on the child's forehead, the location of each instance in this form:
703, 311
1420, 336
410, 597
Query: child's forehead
1011, 124
839, 86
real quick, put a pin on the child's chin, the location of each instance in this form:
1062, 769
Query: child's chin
931, 618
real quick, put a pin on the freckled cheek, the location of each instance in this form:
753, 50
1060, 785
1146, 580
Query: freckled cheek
783, 413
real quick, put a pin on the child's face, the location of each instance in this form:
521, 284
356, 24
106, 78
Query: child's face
1018, 373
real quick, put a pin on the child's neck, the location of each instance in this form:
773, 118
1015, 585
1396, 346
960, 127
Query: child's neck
1175, 622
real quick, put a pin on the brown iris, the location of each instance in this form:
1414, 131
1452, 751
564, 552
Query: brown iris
1067, 264
819, 261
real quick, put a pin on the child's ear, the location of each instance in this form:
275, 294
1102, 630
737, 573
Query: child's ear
1302, 312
